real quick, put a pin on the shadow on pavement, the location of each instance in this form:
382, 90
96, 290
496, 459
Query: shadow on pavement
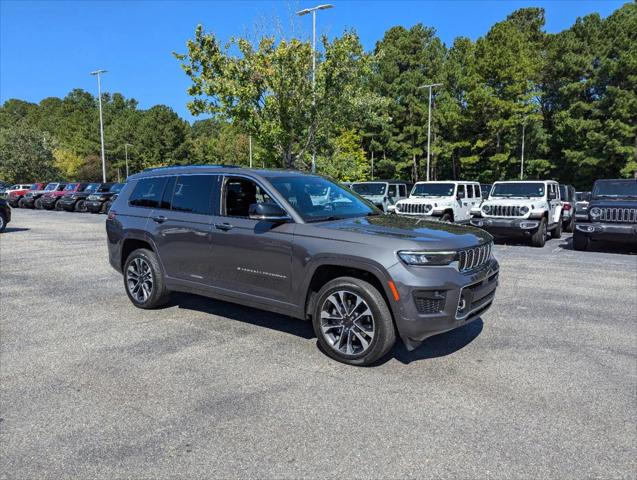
15, 229
436, 346
441, 345
602, 247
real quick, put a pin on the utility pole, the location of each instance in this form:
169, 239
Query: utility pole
97, 73
430, 86
372, 165
300, 13
250, 147
522, 156
126, 145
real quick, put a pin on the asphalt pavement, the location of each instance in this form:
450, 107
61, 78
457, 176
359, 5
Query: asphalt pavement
543, 386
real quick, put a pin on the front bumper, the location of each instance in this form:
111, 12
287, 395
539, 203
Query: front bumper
613, 232
48, 203
67, 204
506, 226
434, 300
94, 206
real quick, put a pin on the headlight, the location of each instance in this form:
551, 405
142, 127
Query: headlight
595, 212
427, 258
428, 208
524, 210
486, 209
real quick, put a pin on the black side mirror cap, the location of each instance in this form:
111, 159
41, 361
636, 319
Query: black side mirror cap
267, 211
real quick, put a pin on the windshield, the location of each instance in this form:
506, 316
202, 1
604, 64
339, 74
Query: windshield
69, 187
116, 188
91, 187
34, 186
615, 188
518, 189
433, 190
369, 188
50, 187
583, 196
340, 203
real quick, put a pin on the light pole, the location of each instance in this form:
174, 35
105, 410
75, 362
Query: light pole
300, 13
126, 145
429, 124
250, 146
97, 73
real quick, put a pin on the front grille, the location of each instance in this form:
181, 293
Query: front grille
505, 211
619, 215
474, 257
413, 208
428, 302
476, 298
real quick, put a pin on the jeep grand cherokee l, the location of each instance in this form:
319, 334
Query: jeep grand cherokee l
257, 238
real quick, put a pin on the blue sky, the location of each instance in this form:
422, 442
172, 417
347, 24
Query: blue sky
47, 48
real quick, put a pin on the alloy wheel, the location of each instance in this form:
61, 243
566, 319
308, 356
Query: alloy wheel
347, 323
139, 280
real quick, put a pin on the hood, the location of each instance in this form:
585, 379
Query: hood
610, 203
411, 232
426, 200
514, 202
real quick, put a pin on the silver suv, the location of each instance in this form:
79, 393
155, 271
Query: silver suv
266, 239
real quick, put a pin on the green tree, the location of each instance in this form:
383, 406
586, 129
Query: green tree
26, 155
348, 162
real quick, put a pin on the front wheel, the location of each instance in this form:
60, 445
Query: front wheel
446, 218
38, 204
580, 241
570, 226
80, 206
538, 239
3, 222
352, 321
21, 203
58, 206
144, 281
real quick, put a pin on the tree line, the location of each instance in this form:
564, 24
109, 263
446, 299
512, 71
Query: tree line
573, 95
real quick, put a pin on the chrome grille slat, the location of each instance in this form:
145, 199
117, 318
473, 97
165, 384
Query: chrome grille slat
505, 211
472, 258
618, 215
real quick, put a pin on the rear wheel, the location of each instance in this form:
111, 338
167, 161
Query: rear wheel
3, 222
58, 206
538, 239
21, 203
144, 281
570, 226
580, 241
38, 204
352, 321
557, 231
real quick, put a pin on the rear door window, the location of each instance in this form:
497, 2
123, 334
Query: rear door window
148, 192
193, 194
469, 191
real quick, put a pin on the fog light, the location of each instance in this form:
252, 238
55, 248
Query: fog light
528, 225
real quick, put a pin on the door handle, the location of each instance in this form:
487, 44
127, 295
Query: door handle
223, 226
159, 219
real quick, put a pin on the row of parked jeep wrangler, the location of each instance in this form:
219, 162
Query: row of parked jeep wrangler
532, 209
72, 197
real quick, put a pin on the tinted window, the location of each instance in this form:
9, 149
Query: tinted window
469, 191
167, 197
117, 188
518, 189
369, 188
615, 188
240, 193
478, 191
433, 190
193, 194
401, 190
391, 191
461, 191
148, 192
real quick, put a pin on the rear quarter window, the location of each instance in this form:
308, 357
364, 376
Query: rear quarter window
147, 192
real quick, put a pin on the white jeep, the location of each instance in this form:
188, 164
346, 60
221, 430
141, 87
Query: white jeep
446, 201
521, 209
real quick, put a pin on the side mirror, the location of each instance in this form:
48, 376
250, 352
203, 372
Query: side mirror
270, 212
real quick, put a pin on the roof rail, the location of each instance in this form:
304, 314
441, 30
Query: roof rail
153, 169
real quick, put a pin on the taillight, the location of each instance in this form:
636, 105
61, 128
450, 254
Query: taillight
567, 206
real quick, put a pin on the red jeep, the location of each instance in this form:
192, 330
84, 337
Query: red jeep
15, 196
50, 199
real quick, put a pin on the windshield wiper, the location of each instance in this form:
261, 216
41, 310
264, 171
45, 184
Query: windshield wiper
324, 219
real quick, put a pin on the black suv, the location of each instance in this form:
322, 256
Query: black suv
96, 202
259, 238
5, 214
612, 214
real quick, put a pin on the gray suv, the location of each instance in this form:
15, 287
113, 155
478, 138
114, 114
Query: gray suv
258, 238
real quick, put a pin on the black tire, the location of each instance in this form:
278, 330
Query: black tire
21, 203
580, 241
80, 206
58, 206
447, 217
538, 239
570, 226
3, 222
158, 294
557, 231
38, 204
384, 334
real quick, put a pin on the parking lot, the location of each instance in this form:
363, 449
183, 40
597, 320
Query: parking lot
544, 385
